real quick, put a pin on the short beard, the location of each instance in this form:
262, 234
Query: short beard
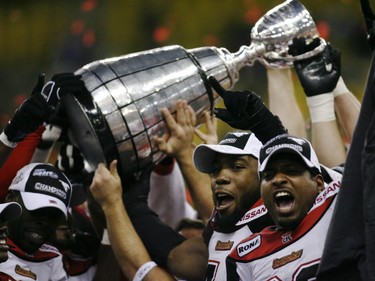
227, 223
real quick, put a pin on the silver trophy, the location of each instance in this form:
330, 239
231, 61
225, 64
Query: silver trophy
127, 92
277, 29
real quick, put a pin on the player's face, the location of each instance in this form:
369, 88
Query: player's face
63, 238
3, 243
33, 228
288, 189
235, 183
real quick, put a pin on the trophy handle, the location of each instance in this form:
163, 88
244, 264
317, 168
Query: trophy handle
275, 59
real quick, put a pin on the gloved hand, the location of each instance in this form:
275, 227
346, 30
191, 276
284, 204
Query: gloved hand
61, 84
369, 21
50, 135
27, 117
54, 90
245, 110
319, 74
70, 160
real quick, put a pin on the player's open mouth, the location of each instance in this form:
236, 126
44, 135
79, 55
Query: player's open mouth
284, 201
223, 201
3, 245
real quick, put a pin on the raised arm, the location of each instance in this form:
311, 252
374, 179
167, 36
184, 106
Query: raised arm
282, 100
178, 143
245, 110
320, 77
128, 248
54, 91
347, 108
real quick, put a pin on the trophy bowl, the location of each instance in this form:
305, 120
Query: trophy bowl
277, 29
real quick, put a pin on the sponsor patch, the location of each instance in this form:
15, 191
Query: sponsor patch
24, 272
287, 259
223, 246
330, 190
286, 237
253, 214
244, 248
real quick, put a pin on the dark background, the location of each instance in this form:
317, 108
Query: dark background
52, 36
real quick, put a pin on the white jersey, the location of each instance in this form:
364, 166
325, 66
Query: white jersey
286, 255
44, 265
221, 243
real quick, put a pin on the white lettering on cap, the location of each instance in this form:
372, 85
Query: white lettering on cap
44, 173
284, 145
50, 189
231, 140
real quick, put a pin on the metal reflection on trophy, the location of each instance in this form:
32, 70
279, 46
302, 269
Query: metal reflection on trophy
277, 29
129, 91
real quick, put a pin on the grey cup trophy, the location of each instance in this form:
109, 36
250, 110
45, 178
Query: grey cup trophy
277, 29
128, 91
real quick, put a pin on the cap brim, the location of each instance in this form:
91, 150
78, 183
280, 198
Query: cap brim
289, 150
34, 201
10, 211
205, 154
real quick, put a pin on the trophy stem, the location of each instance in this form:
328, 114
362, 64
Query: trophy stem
245, 56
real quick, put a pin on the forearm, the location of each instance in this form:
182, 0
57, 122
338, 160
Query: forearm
282, 101
149, 226
347, 108
17, 158
328, 144
199, 185
126, 244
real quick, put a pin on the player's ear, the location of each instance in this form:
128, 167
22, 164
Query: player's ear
319, 182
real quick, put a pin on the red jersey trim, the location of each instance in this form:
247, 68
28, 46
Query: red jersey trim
273, 240
40, 255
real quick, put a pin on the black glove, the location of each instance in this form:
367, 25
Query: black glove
245, 110
27, 117
70, 160
369, 21
319, 74
61, 84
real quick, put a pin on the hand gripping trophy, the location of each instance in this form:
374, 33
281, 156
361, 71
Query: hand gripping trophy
128, 91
